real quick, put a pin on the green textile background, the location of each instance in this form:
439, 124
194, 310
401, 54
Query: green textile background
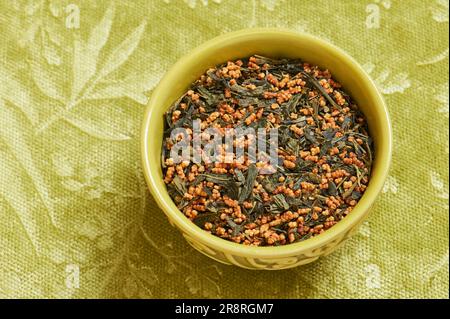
76, 219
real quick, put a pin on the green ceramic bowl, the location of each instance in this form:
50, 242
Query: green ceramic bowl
272, 43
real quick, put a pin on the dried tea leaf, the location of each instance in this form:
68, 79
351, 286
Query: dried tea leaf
280, 201
237, 229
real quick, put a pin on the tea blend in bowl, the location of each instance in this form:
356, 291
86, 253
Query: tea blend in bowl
227, 175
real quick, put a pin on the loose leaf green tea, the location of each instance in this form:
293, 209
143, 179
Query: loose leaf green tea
323, 156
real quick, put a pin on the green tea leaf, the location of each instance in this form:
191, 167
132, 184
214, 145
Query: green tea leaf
321, 90
280, 201
235, 227
239, 176
180, 185
204, 218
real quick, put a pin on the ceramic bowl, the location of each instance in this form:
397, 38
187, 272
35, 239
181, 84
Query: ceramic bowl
271, 43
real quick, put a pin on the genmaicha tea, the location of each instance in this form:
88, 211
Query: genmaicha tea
310, 173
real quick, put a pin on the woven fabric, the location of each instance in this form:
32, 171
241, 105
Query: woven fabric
76, 219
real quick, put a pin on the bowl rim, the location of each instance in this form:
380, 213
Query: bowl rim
188, 227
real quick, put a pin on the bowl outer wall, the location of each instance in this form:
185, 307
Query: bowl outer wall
272, 43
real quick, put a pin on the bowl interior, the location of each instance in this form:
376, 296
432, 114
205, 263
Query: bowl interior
271, 43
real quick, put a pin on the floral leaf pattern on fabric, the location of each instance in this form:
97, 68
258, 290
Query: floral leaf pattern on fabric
13, 91
387, 84
87, 73
19, 148
86, 53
